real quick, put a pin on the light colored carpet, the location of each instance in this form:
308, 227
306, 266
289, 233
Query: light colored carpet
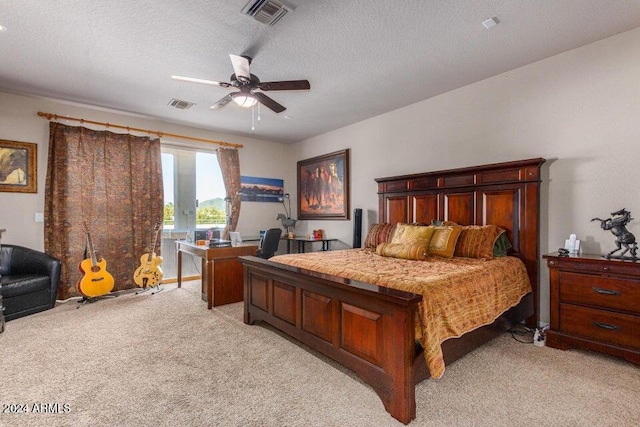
165, 360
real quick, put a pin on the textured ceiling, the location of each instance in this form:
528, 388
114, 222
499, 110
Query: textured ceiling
362, 57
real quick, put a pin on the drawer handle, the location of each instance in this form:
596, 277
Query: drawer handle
606, 291
607, 326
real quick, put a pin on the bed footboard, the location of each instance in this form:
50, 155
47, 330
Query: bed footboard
367, 328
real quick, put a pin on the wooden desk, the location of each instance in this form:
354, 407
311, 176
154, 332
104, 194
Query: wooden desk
221, 271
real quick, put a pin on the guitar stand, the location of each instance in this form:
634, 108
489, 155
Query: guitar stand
156, 289
91, 300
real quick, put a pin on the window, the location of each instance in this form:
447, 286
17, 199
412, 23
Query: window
194, 196
211, 208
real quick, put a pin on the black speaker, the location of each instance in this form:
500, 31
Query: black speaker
357, 228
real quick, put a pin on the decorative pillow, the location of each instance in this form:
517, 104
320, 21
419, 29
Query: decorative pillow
437, 222
477, 241
379, 233
502, 245
412, 251
443, 242
413, 234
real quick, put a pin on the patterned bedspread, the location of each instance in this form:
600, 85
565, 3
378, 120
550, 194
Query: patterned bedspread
459, 294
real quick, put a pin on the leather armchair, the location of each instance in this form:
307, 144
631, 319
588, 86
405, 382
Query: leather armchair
29, 280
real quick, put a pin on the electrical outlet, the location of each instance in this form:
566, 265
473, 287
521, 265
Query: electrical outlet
540, 336
39, 217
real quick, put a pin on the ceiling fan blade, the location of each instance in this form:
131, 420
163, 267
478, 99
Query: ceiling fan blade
268, 102
285, 85
195, 80
222, 102
241, 67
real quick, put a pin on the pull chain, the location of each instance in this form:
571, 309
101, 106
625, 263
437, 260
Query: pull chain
253, 119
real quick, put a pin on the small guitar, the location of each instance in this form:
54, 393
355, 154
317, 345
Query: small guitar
149, 273
96, 280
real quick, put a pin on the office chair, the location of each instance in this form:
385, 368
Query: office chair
270, 243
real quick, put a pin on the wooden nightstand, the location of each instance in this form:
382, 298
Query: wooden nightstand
595, 305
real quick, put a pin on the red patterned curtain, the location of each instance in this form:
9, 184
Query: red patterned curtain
113, 183
230, 168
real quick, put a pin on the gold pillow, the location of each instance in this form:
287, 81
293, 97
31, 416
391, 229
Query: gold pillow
412, 234
443, 242
476, 241
412, 251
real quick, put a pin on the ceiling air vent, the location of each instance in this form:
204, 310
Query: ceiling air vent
180, 105
267, 12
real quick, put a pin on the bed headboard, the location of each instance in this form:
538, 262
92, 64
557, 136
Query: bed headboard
505, 194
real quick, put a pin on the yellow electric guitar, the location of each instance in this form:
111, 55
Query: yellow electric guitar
149, 274
96, 280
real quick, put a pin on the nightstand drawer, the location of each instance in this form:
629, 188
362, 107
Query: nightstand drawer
601, 325
599, 266
600, 291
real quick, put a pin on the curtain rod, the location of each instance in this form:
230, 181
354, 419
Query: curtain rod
50, 116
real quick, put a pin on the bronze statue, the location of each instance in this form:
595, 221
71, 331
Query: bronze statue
624, 237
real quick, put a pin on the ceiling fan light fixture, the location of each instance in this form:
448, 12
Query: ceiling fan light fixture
248, 84
245, 101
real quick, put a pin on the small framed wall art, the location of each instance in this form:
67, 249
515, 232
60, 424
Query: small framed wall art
18, 167
255, 189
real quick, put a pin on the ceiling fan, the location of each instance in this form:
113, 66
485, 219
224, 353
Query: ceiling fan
248, 84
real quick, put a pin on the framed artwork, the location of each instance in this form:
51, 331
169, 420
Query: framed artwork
254, 189
18, 167
323, 186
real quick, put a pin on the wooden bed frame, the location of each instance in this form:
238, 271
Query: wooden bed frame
370, 329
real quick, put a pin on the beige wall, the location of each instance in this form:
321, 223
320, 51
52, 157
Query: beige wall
19, 122
579, 110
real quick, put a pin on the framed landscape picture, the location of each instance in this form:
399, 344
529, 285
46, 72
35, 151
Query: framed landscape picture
323, 186
256, 189
18, 161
